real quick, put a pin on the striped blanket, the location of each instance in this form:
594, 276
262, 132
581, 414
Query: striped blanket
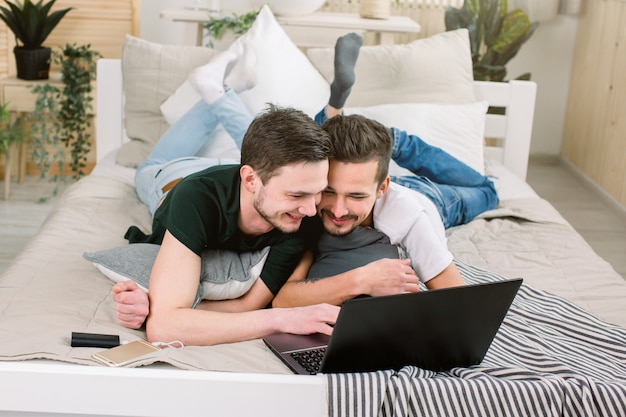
549, 358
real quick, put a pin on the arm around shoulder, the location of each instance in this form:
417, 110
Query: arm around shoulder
298, 291
381, 277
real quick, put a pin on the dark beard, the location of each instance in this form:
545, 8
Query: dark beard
339, 234
335, 232
264, 216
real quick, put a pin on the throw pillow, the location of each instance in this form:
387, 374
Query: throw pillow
456, 128
284, 76
223, 275
151, 73
437, 69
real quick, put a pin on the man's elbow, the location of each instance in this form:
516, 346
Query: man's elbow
280, 301
157, 329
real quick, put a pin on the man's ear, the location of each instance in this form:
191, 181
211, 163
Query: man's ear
383, 187
249, 178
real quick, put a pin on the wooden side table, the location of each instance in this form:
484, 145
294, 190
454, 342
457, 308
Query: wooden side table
305, 30
18, 94
319, 29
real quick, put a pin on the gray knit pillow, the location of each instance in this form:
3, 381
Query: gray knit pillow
224, 274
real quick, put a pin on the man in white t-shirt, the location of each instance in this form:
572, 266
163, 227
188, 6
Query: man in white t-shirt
360, 194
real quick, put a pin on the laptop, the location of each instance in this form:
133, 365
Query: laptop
436, 330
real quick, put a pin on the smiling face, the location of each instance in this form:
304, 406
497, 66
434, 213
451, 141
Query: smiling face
289, 196
349, 199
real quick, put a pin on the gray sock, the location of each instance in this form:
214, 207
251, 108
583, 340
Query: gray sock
346, 54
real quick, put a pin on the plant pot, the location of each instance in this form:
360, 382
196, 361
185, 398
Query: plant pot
32, 64
375, 9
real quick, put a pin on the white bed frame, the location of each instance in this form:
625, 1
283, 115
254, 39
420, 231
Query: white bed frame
37, 388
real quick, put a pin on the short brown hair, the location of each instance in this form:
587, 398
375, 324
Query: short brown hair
356, 139
281, 136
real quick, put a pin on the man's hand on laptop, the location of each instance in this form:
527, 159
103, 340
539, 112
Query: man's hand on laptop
317, 318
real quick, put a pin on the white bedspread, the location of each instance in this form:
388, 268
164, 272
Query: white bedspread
51, 291
528, 238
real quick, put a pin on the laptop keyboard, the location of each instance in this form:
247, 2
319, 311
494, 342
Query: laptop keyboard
310, 359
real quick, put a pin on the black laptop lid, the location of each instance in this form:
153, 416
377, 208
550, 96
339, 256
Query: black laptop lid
435, 329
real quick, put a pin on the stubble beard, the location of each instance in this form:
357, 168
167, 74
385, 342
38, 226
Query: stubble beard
268, 219
332, 229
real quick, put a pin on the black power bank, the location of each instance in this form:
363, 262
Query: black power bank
94, 340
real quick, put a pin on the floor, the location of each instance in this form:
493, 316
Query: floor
22, 215
600, 223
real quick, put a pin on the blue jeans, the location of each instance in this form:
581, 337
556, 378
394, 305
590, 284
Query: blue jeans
174, 157
459, 192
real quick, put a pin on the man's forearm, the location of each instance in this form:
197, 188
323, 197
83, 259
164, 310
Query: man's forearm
200, 328
382, 277
258, 297
332, 290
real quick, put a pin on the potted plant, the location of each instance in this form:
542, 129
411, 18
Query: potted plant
31, 23
376, 9
61, 122
496, 35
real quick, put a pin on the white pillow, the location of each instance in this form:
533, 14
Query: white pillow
456, 128
437, 69
284, 76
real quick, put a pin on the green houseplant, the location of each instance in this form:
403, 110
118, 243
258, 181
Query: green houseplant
496, 35
61, 121
10, 133
238, 24
31, 23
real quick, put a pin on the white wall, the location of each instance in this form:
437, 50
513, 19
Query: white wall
547, 55
155, 29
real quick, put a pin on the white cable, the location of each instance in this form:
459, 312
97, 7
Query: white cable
171, 344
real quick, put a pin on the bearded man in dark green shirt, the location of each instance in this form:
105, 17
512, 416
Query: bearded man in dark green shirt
261, 202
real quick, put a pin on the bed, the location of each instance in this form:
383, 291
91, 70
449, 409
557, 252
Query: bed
561, 350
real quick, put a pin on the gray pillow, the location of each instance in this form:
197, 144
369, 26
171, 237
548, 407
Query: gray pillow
224, 274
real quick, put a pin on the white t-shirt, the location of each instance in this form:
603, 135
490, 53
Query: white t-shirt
410, 219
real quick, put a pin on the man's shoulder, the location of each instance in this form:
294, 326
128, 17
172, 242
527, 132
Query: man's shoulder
401, 206
218, 181
212, 190
399, 199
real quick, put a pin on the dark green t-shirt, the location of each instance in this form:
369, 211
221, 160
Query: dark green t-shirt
202, 212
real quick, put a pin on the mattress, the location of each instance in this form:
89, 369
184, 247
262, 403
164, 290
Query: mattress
51, 291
